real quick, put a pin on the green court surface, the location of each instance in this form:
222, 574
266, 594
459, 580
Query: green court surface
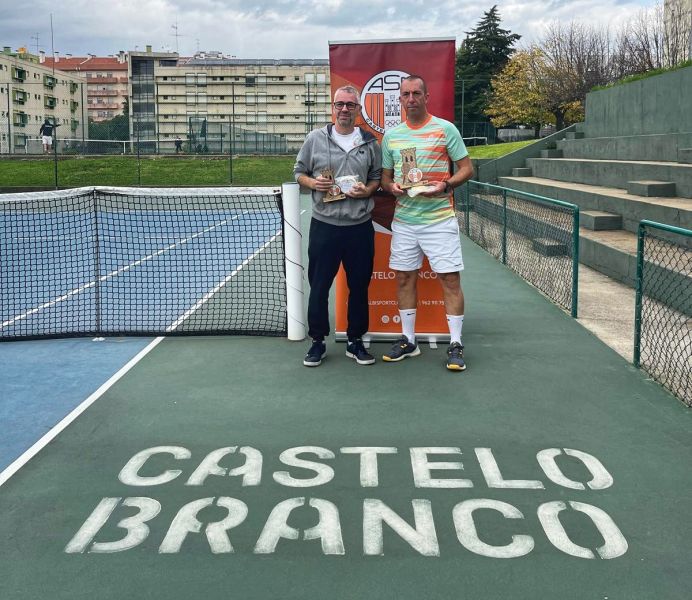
566, 473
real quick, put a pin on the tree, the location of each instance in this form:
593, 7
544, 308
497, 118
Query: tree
517, 95
576, 58
483, 54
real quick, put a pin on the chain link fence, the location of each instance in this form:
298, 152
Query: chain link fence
663, 317
536, 237
272, 121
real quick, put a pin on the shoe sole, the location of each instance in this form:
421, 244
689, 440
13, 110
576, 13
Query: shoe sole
360, 362
456, 368
314, 364
415, 352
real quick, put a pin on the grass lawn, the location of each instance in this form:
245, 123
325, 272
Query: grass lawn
152, 171
497, 150
169, 171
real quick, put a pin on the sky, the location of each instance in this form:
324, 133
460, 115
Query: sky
276, 28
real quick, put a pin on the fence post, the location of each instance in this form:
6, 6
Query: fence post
85, 121
504, 227
10, 141
575, 262
468, 207
639, 293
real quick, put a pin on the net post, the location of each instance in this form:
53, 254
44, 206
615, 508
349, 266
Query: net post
295, 307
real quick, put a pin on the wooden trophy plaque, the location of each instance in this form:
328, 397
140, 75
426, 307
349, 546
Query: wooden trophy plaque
411, 175
334, 193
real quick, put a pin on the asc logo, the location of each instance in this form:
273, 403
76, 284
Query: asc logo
381, 108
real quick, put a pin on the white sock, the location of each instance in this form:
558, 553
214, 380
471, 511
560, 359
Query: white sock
455, 323
408, 324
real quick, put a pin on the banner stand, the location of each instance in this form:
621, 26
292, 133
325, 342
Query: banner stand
376, 68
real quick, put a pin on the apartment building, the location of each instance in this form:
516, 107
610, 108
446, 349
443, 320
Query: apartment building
106, 77
30, 92
217, 104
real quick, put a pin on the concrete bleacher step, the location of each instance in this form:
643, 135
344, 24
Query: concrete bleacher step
521, 172
598, 220
674, 211
613, 253
652, 147
551, 153
574, 135
648, 188
613, 173
685, 155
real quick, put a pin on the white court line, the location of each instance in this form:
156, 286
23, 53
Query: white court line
48, 437
91, 284
27, 455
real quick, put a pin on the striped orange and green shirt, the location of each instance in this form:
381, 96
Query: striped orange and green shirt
436, 142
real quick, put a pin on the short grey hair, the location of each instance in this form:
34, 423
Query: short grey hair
350, 89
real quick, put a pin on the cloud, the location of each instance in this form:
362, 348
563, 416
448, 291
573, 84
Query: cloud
277, 28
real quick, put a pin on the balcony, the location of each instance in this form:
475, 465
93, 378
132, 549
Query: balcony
73, 87
20, 118
73, 105
74, 124
49, 81
18, 74
19, 96
50, 101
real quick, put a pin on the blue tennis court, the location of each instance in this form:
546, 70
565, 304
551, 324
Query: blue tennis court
122, 267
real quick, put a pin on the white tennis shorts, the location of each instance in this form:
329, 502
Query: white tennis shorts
47, 140
438, 241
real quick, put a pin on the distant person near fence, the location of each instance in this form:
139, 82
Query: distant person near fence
46, 133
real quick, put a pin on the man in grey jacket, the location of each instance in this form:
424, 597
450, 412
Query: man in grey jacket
341, 231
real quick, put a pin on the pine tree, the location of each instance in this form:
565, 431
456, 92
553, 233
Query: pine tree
482, 55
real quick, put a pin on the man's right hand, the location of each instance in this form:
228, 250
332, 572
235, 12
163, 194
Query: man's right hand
322, 184
395, 190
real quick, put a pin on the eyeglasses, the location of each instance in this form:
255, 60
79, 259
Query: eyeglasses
349, 105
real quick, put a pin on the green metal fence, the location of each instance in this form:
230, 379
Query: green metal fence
536, 237
663, 310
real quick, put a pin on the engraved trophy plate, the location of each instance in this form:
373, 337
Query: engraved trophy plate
411, 175
334, 192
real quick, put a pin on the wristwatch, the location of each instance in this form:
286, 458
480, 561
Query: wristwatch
448, 188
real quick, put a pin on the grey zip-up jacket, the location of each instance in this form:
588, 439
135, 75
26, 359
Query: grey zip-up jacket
320, 152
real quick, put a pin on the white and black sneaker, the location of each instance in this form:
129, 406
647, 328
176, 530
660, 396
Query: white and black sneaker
356, 349
314, 356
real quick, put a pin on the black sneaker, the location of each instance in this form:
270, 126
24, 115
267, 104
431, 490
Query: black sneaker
356, 349
455, 357
401, 349
314, 356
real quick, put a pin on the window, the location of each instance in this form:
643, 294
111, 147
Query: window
309, 78
250, 81
250, 117
250, 99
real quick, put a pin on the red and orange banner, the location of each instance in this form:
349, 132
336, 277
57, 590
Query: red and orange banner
376, 68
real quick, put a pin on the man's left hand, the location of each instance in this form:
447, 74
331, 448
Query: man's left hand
438, 190
359, 190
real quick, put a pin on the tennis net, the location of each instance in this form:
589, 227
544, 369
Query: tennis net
128, 261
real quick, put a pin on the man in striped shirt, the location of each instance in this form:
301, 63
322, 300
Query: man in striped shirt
424, 219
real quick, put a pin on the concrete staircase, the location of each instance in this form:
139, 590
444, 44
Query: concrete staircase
616, 182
